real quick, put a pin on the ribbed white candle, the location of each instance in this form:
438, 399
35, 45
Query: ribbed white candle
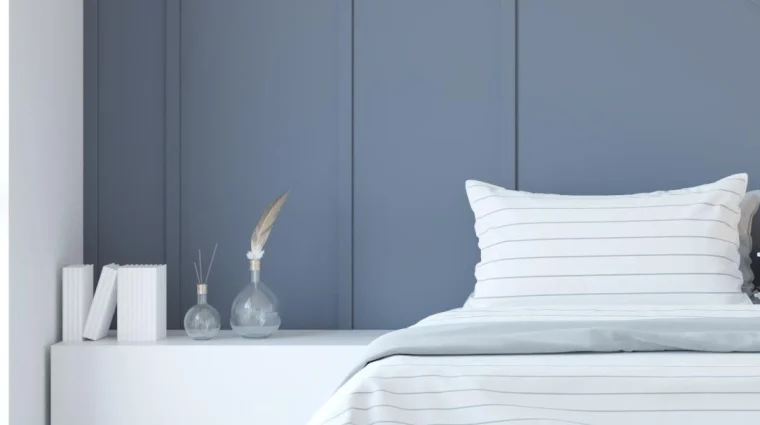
141, 297
103, 304
77, 297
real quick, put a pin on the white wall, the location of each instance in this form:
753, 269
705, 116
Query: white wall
45, 188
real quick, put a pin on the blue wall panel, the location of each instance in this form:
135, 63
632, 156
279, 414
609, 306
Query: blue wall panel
263, 86
623, 96
128, 200
433, 106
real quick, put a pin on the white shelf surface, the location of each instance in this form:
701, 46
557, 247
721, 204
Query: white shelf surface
282, 379
231, 339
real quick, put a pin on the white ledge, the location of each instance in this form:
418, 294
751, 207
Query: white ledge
229, 338
280, 380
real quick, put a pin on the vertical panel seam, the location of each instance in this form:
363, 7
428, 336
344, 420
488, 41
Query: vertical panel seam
172, 154
166, 124
504, 79
343, 33
352, 160
166, 131
179, 161
517, 97
97, 134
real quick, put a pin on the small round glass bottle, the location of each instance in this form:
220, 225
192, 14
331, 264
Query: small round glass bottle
202, 321
254, 311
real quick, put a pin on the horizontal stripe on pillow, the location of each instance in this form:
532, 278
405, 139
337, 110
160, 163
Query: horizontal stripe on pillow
552, 285
645, 248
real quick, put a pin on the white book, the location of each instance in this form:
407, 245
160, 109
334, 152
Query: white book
77, 296
141, 296
103, 304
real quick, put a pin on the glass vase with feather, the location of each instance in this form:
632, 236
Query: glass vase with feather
255, 311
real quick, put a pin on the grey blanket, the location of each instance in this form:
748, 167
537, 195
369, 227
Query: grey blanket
709, 334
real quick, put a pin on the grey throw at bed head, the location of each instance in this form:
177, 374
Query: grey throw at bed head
748, 207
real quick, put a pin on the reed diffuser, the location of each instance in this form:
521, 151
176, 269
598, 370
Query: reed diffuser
202, 321
255, 310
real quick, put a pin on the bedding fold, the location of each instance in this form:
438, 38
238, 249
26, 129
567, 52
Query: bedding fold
593, 329
549, 365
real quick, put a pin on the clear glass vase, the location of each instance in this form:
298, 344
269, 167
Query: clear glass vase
255, 310
202, 321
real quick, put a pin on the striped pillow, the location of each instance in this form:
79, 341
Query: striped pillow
674, 247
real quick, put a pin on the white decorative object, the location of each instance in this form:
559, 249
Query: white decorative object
141, 296
77, 296
103, 304
202, 321
294, 373
256, 310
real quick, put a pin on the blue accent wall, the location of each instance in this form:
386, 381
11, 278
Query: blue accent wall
434, 105
374, 112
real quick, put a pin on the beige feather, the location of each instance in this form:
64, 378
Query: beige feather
264, 227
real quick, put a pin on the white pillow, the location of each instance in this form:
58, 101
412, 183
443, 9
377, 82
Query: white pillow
748, 208
674, 247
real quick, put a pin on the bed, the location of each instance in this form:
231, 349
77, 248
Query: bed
618, 310
450, 369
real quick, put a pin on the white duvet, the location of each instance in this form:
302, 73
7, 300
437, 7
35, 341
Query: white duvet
571, 388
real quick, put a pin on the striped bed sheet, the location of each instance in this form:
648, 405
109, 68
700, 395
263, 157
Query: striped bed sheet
669, 387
